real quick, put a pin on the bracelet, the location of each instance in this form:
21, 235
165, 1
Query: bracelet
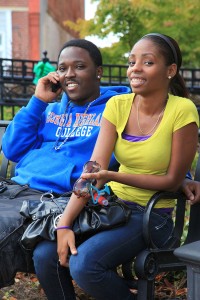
63, 227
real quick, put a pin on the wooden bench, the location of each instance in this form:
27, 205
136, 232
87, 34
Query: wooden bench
152, 260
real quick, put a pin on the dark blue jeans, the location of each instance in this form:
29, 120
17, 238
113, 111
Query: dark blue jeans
93, 268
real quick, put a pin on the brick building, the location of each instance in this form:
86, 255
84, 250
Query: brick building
29, 27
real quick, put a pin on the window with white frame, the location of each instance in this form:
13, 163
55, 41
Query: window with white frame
1, 44
5, 34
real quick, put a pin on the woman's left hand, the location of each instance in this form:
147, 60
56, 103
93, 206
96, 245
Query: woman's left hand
101, 176
191, 189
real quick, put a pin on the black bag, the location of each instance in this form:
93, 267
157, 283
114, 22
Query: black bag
13, 258
92, 219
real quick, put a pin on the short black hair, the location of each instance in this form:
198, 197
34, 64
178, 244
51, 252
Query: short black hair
91, 48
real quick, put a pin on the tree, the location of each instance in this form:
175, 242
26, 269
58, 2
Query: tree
131, 19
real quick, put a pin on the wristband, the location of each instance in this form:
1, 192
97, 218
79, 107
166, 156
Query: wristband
63, 227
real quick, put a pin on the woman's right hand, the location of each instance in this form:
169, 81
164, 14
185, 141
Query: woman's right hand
65, 242
66, 237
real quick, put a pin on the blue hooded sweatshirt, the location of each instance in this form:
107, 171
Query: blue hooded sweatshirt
36, 130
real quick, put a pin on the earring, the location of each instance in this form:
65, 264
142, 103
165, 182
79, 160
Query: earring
169, 77
98, 76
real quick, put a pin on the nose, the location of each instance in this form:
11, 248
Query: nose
137, 67
70, 73
134, 69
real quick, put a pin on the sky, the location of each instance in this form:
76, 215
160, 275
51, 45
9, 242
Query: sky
90, 9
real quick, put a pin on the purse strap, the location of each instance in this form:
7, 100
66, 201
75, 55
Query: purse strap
50, 197
18, 190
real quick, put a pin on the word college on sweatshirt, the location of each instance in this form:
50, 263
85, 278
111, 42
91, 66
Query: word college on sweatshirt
81, 126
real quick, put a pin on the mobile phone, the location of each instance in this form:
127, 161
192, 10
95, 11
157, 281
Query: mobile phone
55, 86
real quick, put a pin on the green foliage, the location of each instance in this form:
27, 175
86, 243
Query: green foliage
130, 19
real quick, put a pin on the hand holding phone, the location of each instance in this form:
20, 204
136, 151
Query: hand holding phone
55, 86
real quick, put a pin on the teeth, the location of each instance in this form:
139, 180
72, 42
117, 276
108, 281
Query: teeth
137, 80
72, 84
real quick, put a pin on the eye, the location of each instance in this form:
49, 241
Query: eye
80, 66
148, 63
131, 63
61, 69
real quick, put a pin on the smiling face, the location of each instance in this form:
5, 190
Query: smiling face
79, 75
147, 70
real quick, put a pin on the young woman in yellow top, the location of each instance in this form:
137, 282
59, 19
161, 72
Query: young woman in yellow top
153, 133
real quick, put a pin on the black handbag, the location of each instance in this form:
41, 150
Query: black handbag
92, 219
13, 258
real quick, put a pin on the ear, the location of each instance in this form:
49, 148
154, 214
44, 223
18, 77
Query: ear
172, 70
99, 72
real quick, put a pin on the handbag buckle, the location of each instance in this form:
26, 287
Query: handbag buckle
49, 194
56, 220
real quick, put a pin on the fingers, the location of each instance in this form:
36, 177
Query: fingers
102, 174
90, 175
188, 192
66, 242
196, 197
63, 260
53, 77
71, 243
192, 191
73, 249
63, 256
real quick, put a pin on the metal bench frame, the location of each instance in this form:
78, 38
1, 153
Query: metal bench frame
152, 261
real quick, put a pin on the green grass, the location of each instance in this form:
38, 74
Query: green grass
7, 112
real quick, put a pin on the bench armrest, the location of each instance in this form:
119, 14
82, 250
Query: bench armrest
179, 217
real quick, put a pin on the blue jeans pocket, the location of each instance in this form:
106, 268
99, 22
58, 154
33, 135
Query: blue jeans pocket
161, 228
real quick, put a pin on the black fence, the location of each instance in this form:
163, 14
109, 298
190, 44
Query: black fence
16, 81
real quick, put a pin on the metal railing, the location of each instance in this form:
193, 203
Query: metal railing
17, 75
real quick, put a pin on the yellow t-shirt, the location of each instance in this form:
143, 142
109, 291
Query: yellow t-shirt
151, 156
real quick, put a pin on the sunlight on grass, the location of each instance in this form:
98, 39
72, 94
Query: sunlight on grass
8, 112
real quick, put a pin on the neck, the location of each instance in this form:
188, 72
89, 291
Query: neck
152, 106
86, 101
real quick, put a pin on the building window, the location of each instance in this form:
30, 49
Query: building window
5, 34
1, 45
